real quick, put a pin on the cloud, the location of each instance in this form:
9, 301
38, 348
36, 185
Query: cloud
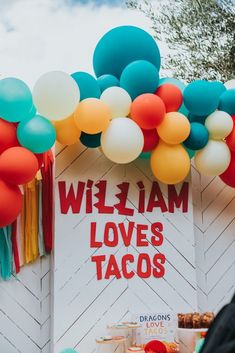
42, 35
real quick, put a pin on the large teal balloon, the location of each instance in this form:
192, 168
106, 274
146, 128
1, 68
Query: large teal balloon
139, 77
174, 81
106, 81
91, 141
227, 101
15, 99
122, 45
87, 84
218, 87
36, 134
200, 98
198, 137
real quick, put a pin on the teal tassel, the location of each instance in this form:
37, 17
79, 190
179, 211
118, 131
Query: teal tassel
5, 252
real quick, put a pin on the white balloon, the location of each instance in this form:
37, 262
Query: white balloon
219, 124
213, 159
230, 84
118, 101
123, 140
56, 95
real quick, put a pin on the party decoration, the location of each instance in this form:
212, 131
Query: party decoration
174, 129
15, 99
121, 46
118, 101
218, 87
145, 155
10, 203
197, 138
36, 134
92, 116
170, 164
148, 111
68, 350
67, 132
173, 81
228, 177
106, 81
8, 136
171, 95
91, 141
230, 140
197, 119
18, 165
219, 125
139, 77
190, 152
155, 347
227, 101
230, 84
56, 95
213, 159
88, 85
200, 98
151, 139
123, 141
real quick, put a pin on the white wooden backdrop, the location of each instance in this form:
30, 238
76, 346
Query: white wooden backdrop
25, 301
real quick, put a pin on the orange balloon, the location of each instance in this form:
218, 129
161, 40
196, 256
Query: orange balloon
174, 129
170, 164
67, 132
18, 165
11, 201
92, 116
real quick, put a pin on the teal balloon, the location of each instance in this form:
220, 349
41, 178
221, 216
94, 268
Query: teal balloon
145, 155
183, 110
87, 84
191, 153
227, 101
198, 137
36, 134
32, 112
15, 100
121, 46
173, 81
197, 119
218, 87
139, 77
106, 81
68, 350
200, 98
91, 141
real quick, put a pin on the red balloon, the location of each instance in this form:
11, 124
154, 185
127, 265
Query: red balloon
7, 135
155, 347
18, 165
171, 96
151, 139
148, 111
11, 201
228, 176
230, 140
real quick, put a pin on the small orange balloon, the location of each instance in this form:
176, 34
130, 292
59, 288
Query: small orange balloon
67, 132
92, 116
174, 129
170, 164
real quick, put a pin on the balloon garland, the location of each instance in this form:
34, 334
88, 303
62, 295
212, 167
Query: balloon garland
127, 110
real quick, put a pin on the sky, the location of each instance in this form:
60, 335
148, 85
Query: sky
43, 35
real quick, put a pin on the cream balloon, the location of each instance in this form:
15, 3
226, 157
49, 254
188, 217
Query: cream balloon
219, 124
56, 95
123, 140
118, 101
230, 84
213, 159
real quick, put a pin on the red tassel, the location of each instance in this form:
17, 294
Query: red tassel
15, 247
